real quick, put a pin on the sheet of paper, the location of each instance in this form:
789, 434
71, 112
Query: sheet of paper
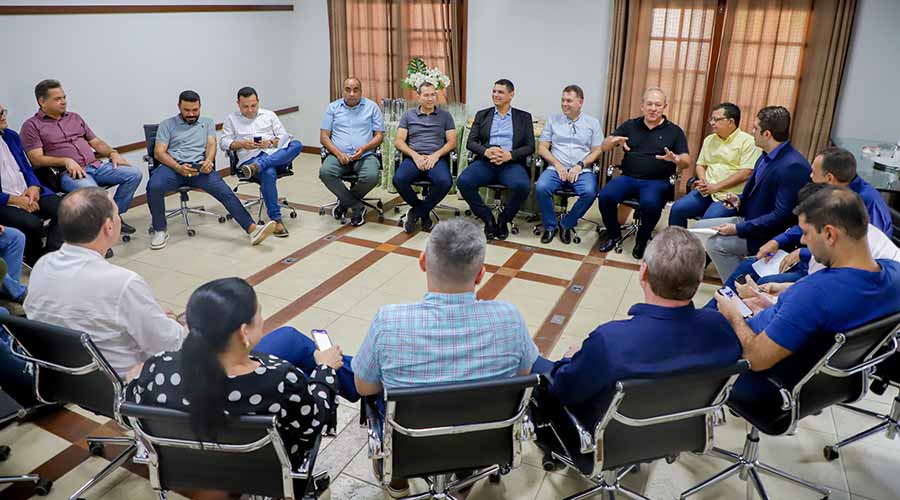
764, 268
703, 231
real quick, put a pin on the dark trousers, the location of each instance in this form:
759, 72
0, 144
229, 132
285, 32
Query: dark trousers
480, 173
164, 180
652, 194
441, 182
32, 224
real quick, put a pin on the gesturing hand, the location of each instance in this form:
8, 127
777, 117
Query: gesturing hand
669, 156
621, 141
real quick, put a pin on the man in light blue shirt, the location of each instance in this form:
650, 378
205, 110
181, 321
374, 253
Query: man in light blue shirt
569, 144
351, 130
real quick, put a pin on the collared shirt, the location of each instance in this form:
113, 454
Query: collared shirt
645, 144
65, 137
427, 132
725, 157
187, 141
75, 287
352, 128
655, 340
502, 130
767, 158
880, 247
266, 125
445, 338
571, 140
11, 178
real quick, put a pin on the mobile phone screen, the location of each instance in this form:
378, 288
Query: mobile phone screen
322, 339
728, 292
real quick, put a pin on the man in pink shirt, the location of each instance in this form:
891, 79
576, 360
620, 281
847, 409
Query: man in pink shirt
63, 151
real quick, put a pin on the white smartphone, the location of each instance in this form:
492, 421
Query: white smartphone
322, 339
728, 292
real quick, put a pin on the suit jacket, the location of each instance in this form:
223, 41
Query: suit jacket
15, 147
523, 134
768, 201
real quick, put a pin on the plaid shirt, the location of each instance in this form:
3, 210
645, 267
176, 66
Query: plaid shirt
445, 338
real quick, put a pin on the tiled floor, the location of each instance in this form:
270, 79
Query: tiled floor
326, 276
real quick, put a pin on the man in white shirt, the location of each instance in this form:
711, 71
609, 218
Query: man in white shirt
75, 287
264, 149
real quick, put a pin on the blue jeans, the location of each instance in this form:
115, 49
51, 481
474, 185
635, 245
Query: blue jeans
441, 182
16, 376
289, 344
269, 168
164, 180
12, 249
126, 177
585, 187
480, 173
746, 268
652, 194
695, 205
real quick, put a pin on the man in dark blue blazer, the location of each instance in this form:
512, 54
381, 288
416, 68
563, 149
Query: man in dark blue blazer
765, 208
24, 203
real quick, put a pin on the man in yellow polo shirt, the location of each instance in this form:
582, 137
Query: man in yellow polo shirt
725, 163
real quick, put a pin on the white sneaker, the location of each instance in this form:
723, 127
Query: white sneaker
159, 239
262, 232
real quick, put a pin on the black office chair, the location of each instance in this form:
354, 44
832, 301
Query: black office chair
497, 191
473, 429
70, 369
352, 178
839, 372
425, 185
647, 419
258, 200
564, 194
10, 410
183, 210
630, 229
249, 456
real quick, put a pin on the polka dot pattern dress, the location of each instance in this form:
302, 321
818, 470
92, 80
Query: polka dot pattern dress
305, 406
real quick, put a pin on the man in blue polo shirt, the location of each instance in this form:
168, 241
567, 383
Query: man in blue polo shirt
351, 131
425, 136
665, 334
853, 290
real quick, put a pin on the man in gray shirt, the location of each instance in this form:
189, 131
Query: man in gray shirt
184, 152
425, 136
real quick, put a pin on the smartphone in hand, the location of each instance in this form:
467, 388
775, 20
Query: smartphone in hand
322, 339
728, 292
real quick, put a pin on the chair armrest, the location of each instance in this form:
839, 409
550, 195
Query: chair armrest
232, 160
871, 363
454, 164
308, 465
787, 400
368, 419
586, 441
690, 183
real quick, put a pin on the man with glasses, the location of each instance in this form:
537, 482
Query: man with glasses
655, 149
725, 163
24, 203
570, 142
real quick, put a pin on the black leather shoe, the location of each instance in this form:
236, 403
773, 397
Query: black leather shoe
639, 247
565, 235
502, 231
548, 235
427, 223
410, 225
338, 212
608, 245
128, 228
490, 229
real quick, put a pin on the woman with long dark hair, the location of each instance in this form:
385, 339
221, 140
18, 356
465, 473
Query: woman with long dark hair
218, 372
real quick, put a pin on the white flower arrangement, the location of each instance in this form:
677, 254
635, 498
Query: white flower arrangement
418, 73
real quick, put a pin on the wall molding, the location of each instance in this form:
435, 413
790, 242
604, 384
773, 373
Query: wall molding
38, 10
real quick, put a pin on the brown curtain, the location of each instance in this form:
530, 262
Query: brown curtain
375, 39
615, 82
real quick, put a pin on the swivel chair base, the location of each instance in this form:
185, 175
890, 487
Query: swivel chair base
890, 424
42, 486
184, 210
441, 487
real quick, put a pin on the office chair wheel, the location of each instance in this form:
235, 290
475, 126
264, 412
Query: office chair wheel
260, 222
576, 239
457, 213
619, 249
514, 230
222, 219
494, 478
321, 484
126, 238
601, 232
150, 231
43, 486
321, 210
671, 459
536, 230
468, 213
191, 233
4, 453
380, 217
396, 210
96, 449
380, 205
294, 215
400, 222
831, 453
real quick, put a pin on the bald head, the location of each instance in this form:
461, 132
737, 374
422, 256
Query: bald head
655, 93
352, 91
83, 213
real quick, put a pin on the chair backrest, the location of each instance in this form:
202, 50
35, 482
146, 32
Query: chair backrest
150, 139
651, 418
68, 366
442, 429
247, 457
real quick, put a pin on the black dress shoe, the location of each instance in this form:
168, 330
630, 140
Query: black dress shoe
639, 247
548, 235
609, 245
338, 212
502, 231
565, 235
490, 229
410, 225
128, 228
427, 223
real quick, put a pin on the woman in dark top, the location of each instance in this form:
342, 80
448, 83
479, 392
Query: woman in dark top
217, 372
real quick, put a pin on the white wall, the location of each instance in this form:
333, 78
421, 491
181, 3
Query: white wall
869, 103
541, 46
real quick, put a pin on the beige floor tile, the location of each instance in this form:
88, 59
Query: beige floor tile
347, 487
288, 284
871, 469
313, 318
849, 423
533, 309
610, 278
100, 419
497, 255
801, 455
548, 265
376, 232
389, 266
31, 446
335, 457
418, 241
533, 289
349, 332
344, 298
368, 307
556, 486
523, 482
166, 284
410, 284
75, 478
134, 487
344, 250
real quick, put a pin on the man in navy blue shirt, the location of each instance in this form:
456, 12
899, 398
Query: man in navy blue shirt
665, 334
764, 207
853, 290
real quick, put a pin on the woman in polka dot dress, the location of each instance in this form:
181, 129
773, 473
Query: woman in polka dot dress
218, 373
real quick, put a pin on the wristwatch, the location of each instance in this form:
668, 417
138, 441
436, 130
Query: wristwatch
580, 164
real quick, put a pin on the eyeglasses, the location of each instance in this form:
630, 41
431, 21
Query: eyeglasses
714, 119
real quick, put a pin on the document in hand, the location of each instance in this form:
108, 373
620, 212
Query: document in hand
764, 268
703, 231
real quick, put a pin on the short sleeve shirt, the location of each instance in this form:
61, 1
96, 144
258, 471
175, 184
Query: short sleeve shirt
65, 137
186, 141
352, 128
725, 157
645, 144
427, 132
572, 140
